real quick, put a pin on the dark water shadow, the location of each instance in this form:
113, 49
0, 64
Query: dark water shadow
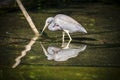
2, 37
83, 39
104, 45
16, 40
100, 32
107, 45
72, 8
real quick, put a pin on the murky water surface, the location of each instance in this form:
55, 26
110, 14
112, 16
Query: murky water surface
91, 56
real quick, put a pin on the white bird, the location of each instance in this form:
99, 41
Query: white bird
64, 23
59, 54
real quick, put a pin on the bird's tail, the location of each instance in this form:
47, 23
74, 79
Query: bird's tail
83, 30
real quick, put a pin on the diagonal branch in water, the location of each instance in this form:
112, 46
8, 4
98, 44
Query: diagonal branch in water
24, 52
33, 40
28, 18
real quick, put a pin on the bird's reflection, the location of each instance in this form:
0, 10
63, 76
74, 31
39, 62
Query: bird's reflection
62, 54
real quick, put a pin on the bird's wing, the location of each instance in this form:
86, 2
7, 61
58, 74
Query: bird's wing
65, 18
67, 23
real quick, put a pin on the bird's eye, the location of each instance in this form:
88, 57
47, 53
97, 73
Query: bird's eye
49, 21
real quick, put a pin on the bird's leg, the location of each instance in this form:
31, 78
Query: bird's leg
63, 39
69, 37
68, 34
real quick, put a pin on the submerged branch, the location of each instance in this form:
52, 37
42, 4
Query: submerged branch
24, 52
33, 40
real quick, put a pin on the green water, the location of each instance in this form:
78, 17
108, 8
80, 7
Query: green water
99, 61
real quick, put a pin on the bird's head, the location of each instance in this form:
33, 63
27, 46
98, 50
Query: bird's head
48, 21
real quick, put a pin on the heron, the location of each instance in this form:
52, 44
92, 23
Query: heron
65, 23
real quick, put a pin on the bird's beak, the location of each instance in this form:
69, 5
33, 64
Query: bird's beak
44, 28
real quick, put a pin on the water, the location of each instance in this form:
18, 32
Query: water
91, 56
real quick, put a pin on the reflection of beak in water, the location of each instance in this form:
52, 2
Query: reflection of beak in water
59, 54
24, 52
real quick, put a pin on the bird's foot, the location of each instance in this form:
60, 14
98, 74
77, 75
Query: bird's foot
62, 45
66, 47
